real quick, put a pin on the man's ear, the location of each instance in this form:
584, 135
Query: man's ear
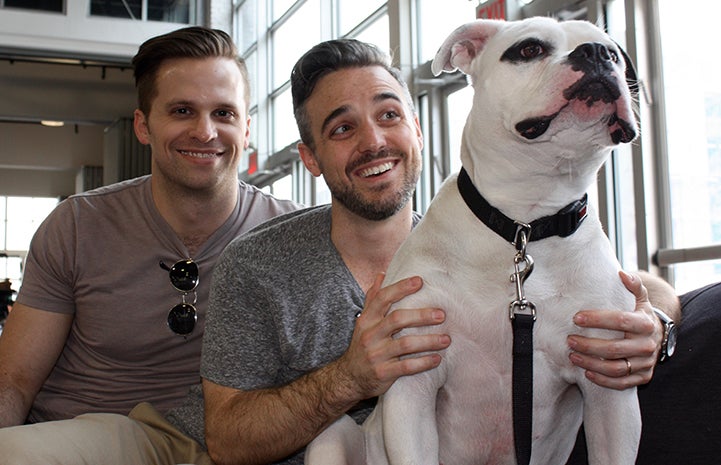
419, 132
246, 141
308, 158
140, 125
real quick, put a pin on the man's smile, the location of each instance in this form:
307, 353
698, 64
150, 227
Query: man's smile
376, 170
196, 154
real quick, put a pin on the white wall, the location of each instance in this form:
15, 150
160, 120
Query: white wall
76, 32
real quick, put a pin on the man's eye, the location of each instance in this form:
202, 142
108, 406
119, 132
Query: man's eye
341, 129
390, 115
224, 113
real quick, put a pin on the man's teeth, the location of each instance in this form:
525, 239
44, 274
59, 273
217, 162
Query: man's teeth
376, 170
198, 154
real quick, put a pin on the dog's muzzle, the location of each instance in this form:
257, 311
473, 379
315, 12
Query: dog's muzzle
595, 62
598, 84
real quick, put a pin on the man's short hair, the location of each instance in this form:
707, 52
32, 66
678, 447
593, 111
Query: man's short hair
189, 42
329, 56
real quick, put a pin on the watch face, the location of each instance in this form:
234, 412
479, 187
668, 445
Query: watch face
671, 343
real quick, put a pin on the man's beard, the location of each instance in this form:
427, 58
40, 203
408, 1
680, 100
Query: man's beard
372, 209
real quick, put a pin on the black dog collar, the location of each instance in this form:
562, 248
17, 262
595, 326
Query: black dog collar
564, 223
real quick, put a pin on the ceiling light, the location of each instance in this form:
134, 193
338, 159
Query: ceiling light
52, 124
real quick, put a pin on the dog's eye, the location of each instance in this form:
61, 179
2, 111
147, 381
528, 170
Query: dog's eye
527, 50
531, 51
614, 56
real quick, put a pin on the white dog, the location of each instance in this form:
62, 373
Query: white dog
551, 101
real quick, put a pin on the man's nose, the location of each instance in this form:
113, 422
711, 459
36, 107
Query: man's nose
371, 138
204, 129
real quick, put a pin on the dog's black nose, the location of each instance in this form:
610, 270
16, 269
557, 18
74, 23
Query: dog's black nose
591, 57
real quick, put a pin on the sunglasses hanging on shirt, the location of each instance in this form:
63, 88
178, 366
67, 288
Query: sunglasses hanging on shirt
184, 278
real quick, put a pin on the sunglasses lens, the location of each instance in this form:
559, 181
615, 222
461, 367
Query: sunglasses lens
184, 275
182, 318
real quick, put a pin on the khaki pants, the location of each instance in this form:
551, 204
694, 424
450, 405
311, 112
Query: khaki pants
144, 437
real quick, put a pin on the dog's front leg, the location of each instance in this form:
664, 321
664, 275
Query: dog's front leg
612, 421
409, 419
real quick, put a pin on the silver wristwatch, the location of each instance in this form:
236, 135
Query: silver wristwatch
668, 345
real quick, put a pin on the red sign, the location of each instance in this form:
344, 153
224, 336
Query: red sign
492, 10
253, 162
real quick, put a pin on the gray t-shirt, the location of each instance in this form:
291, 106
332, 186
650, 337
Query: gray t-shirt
97, 256
282, 303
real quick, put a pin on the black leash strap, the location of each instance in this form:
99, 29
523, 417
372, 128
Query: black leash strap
522, 386
564, 223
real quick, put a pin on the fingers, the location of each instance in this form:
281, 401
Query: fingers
379, 300
615, 373
634, 284
413, 354
377, 356
613, 349
604, 360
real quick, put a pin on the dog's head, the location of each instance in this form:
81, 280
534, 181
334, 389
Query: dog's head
540, 80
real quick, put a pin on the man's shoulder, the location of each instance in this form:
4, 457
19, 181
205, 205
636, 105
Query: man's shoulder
110, 199
292, 222
129, 185
285, 228
250, 194
132, 191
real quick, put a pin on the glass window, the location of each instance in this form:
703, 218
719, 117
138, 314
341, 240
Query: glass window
377, 34
251, 63
132, 9
280, 7
283, 187
21, 217
285, 131
24, 215
3, 215
293, 38
41, 5
322, 193
459, 105
169, 11
352, 12
693, 132
437, 20
246, 25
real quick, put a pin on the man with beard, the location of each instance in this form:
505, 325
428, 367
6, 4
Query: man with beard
297, 332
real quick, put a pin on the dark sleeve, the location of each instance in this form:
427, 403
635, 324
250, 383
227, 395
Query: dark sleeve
681, 406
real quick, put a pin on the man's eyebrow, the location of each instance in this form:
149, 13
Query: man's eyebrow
179, 102
333, 114
383, 96
387, 96
190, 103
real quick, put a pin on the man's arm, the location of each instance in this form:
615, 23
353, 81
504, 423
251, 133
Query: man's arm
605, 361
30, 345
662, 295
261, 426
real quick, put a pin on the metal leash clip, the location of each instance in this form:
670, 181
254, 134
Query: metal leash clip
519, 276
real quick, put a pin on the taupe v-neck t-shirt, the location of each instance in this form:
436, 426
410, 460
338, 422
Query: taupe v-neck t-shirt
97, 257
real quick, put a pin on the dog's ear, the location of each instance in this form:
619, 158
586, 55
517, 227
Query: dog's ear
462, 46
631, 77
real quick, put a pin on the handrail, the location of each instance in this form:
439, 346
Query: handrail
666, 257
